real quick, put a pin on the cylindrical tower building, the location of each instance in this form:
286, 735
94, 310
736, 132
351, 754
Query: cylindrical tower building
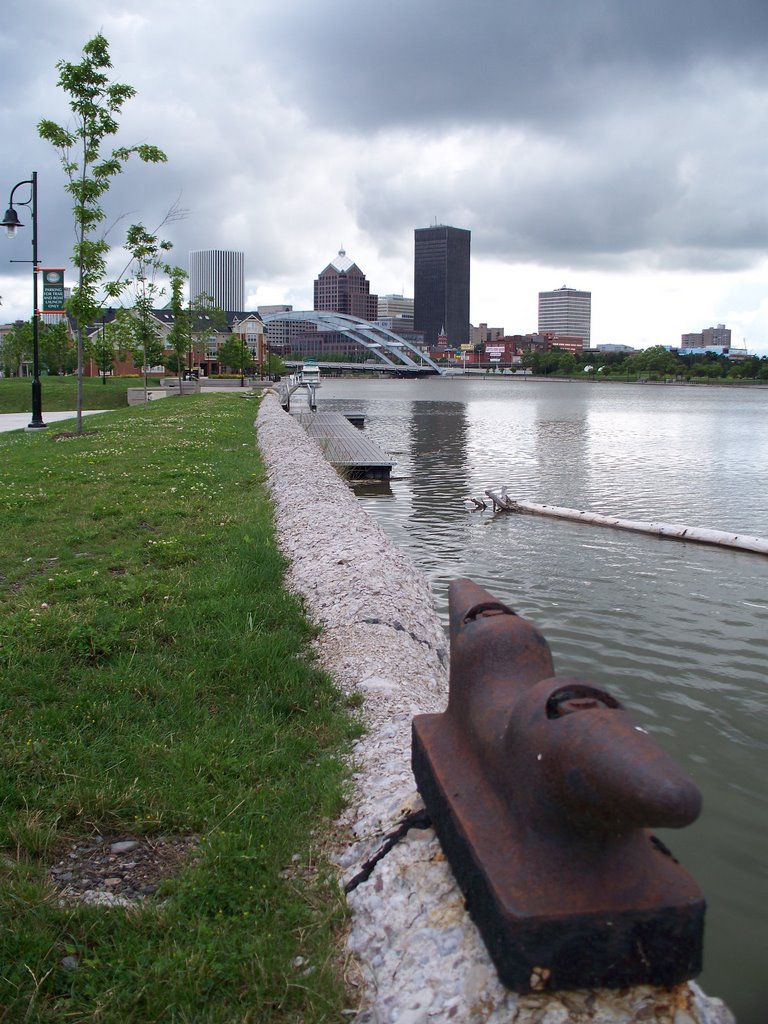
219, 273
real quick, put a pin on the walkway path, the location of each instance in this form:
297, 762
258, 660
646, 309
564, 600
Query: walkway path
19, 420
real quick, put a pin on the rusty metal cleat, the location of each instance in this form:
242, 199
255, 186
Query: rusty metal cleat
542, 790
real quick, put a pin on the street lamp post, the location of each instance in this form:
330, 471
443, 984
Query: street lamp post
11, 223
189, 349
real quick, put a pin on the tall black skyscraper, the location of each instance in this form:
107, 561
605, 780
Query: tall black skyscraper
441, 283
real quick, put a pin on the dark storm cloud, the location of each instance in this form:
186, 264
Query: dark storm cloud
437, 62
678, 185
583, 133
604, 131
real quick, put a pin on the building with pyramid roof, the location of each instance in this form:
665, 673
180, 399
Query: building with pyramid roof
343, 288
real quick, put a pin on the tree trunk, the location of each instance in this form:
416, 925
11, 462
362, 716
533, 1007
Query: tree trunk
79, 380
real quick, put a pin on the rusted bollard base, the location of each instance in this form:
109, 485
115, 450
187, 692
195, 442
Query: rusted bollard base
527, 910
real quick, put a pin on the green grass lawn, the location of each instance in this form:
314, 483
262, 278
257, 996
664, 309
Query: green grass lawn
59, 394
156, 682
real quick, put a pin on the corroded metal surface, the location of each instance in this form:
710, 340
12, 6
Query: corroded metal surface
542, 790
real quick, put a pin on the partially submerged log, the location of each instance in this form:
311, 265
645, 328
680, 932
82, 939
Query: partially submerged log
502, 502
475, 504
701, 535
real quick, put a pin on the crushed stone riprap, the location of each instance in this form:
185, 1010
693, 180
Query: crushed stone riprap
421, 958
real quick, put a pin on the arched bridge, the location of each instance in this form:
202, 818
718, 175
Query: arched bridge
379, 341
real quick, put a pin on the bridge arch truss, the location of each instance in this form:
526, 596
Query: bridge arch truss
379, 341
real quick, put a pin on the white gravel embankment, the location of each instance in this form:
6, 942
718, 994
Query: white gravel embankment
421, 958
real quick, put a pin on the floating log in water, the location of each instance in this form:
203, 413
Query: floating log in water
475, 504
759, 545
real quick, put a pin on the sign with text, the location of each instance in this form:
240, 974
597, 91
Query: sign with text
53, 289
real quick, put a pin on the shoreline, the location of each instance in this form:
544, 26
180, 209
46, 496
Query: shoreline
420, 958
542, 379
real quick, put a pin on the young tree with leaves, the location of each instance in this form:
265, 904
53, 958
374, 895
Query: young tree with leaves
179, 337
57, 353
144, 335
95, 103
206, 321
235, 354
17, 347
103, 346
274, 365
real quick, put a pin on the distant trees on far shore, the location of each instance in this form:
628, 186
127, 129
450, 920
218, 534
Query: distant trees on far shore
652, 363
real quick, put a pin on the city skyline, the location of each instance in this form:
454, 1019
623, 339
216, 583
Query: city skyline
220, 273
626, 155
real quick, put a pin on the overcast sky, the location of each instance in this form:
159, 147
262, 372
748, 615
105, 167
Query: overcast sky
609, 145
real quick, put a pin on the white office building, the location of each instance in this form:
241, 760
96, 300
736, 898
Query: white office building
395, 305
219, 273
566, 311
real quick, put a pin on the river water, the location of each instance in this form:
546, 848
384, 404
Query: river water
675, 630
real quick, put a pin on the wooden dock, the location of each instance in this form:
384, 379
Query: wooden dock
345, 447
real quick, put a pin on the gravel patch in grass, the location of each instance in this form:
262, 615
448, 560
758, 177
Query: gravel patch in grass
128, 868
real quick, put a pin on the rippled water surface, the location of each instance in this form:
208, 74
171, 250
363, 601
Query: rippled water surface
677, 631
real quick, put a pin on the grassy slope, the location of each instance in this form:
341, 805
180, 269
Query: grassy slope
155, 679
59, 394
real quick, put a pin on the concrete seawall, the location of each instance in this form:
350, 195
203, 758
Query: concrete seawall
421, 959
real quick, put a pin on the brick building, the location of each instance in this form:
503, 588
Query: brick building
343, 288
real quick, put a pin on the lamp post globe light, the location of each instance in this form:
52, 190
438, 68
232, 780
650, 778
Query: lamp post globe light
11, 223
